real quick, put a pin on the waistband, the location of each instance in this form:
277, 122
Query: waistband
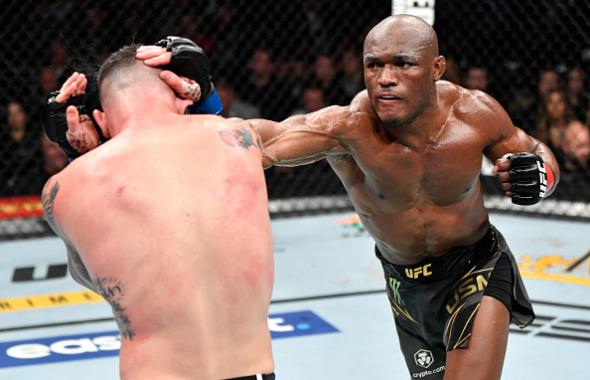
454, 261
258, 376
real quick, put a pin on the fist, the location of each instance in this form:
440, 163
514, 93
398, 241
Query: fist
524, 177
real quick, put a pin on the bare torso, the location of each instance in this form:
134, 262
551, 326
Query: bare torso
172, 225
417, 201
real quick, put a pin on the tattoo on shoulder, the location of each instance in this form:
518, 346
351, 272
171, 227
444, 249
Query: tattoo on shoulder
113, 291
240, 137
48, 199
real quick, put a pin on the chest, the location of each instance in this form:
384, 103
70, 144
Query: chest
441, 172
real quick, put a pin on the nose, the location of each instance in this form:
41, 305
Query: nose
388, 76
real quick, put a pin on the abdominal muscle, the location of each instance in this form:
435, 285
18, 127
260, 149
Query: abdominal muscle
424, 230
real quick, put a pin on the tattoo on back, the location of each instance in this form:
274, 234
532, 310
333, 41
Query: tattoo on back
239, 137
113, 291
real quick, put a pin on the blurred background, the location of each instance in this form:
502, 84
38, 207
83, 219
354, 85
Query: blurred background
273, 59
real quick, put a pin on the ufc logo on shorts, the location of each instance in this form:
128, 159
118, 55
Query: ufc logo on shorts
542, 179
423, 270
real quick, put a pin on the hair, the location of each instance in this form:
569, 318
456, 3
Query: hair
543, 123
121, 58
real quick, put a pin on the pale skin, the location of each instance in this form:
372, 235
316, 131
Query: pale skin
408, 150
170, 218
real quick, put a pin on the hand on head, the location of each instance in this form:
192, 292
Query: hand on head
156, 56
65, 120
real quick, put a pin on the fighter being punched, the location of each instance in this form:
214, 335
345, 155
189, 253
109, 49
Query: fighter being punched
190, 302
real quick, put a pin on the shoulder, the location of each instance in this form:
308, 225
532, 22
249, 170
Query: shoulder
237, 132
342, 120
477, 108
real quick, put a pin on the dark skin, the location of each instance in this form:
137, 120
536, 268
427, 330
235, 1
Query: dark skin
409, 151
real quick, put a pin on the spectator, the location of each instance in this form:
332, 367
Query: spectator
191, 29
54, 159
47, 80
313, 100
325, 72
20, 156
352, 67
452, 72
575, 170
263, 90
526, 104
576, 149
286, 73
477, 78
554, 117
577, 96
233, 106
548, 81
58, 56
523, 109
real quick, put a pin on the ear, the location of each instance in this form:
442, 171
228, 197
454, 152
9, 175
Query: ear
101, 119
181, 105
439, 66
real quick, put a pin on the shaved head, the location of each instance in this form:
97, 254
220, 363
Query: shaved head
411, 28
401, 65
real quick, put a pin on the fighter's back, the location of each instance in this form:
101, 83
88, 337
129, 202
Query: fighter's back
172, 225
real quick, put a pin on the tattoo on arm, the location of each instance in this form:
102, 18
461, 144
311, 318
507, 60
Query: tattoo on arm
113, 291
191, 89
48, 199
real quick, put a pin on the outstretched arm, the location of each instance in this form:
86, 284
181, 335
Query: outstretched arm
303, 139
526, 167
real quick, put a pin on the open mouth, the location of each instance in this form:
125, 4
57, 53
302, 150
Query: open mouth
389, 98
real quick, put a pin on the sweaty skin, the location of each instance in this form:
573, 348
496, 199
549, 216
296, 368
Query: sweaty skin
409, 148
170, 218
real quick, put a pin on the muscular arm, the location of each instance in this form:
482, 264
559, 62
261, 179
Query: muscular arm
304, 139
76, 267
511, 139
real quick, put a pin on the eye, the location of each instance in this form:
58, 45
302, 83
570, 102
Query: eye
373, 65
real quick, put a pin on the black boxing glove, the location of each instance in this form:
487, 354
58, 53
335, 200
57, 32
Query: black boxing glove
189, 60
55, 122
529, 177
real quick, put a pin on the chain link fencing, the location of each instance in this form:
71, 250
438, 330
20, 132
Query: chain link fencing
273, 59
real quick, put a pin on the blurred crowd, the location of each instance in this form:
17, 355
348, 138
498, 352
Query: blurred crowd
557, 114
275, 80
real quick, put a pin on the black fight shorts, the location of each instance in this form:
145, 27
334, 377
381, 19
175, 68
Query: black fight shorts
435, 301
269, 376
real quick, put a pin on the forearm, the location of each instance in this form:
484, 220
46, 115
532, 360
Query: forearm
293, 141
548, 157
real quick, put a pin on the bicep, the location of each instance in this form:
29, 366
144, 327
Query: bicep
504, 136
303, 139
